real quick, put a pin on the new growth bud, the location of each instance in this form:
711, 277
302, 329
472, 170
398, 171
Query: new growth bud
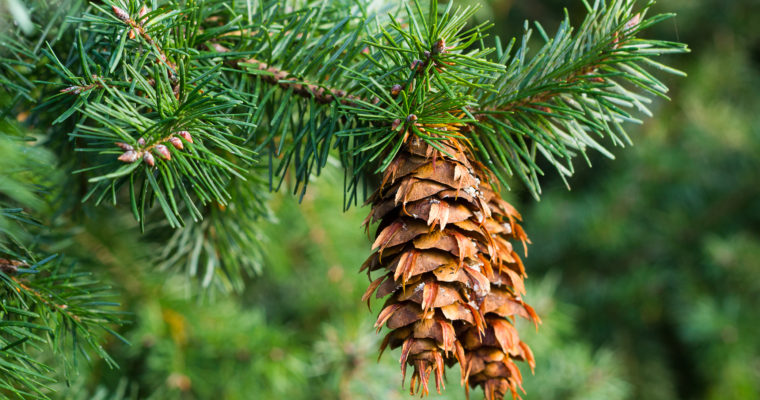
141, 14
120, 14
163, 152
129, 156
148, 158
185, 135
124, 146
633, 22
395, 90
176, 143
439, 47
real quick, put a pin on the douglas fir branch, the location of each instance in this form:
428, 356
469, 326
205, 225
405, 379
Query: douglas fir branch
182, 113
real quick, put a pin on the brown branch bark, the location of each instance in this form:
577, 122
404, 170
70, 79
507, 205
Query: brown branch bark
533, 101
63, 308
282, 78
10, 267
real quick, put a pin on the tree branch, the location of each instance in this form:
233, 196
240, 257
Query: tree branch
282, 78
10, 267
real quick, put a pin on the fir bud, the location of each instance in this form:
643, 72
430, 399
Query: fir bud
129, 156
124, 146
120, 14
186, 135
176, 143
411, 118
439, 47
163, 152
148, 158
395, 90
395, 124
132, 34
416, 65
141, 142
141, 14
633, 22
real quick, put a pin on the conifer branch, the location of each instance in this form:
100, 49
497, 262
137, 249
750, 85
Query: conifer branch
167, 111
577, 89
577, 86
227, 246
99, 82
63, 308
137, 28
285, 80
48, 305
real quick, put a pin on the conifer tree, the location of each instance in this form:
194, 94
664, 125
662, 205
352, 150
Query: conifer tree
185, 113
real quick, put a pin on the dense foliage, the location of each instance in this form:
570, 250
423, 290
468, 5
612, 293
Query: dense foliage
643, 273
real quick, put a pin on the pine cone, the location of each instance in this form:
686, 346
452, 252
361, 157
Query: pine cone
452, 278
490, 357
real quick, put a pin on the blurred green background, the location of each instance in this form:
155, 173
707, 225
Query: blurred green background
646, 273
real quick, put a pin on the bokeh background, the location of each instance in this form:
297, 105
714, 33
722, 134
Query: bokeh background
646, 273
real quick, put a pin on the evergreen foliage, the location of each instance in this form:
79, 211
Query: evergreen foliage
48, 304
182, 115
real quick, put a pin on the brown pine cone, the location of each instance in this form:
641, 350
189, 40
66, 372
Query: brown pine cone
448, 269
